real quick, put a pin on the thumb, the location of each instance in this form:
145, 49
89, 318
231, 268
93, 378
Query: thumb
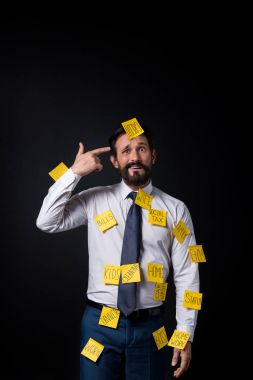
175, 357
81, 149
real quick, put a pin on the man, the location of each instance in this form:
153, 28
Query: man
129, 349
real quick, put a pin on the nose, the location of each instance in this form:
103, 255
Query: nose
134, 156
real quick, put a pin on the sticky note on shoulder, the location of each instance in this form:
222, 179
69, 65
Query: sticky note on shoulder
160, 337
105, 220
109, 317
197, 253
92, 350
132, 128
192, 300
181, 231
143, 199
179, 339
130, 273
58, 171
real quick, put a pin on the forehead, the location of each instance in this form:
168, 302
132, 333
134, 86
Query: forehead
124, 140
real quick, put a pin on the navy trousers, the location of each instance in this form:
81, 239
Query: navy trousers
130, 351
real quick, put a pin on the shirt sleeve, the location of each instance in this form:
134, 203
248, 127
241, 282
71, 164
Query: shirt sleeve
186, 275
60, 211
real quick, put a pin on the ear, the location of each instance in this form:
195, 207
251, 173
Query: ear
154, 155
114, 161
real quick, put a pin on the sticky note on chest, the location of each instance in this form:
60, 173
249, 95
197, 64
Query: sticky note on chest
105, 220
57, 172
130, 273
111, 274
160, 337
157, 217
109, 317
160, 291
132, 128
181, 231
155, 272
143, 199
197, 253
192, 300
92, 350
179, 339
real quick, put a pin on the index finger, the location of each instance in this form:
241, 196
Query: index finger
99, 151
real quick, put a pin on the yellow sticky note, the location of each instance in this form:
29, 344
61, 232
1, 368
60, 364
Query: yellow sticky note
132, 128
197, 253
57, 172
105, 220
181, 231
130, 273
155, 272
179, 339
92, 350
143, 199
160, 291
109, 317
111, 274
160, 337
157, 217
192, 300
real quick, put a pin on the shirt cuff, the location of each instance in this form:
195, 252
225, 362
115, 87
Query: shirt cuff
188, 329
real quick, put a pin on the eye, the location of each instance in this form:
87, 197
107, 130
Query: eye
142, 149
126, 151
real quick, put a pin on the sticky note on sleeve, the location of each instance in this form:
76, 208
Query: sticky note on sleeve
197, 253
109, 317
105, 220
132, 128
160, 337
179, 339
143, 199
192, 300
181, 231
92, 350
57, 172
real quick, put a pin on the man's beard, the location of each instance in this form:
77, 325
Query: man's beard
137, 179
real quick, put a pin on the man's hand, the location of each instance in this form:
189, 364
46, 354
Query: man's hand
86, 163
185, 356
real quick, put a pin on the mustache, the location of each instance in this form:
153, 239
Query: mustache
136, 163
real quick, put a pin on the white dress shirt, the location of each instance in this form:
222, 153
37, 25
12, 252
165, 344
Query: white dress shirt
61, 212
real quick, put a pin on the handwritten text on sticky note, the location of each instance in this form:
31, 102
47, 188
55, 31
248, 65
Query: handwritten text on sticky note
160, 291
181, 231
57, 172
197, 253
92, 350
160, 337
130, 273
143, 199
105, 220
155, 272
111, 274
179, 339
157, 217
109, 317
132, 128
192, 300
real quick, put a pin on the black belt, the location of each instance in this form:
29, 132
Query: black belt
137, 314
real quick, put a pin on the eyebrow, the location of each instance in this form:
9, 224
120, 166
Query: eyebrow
139, 144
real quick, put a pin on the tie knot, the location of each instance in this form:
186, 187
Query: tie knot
132, 195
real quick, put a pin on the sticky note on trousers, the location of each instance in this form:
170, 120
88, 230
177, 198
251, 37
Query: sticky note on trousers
92, 350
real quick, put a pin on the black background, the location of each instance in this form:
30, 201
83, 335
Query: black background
61, 84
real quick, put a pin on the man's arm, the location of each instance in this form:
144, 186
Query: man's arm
60, 212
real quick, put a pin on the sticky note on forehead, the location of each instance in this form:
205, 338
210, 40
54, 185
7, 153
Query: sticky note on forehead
192, 300
57, 172
197, 253
179, 339
132, 128
92, 350
143, 199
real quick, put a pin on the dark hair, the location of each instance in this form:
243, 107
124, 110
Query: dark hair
120, 131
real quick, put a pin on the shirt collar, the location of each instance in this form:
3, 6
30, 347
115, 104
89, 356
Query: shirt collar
125, 189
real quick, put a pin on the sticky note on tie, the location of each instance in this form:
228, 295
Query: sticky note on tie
192, 300
160, 291
155, 272
92, 350
109, 317
105, 220
179, 339
157, 217
143, 199
130, 273
160, 337
181, 231
111, 274
197, 253
132, 128
57, 172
